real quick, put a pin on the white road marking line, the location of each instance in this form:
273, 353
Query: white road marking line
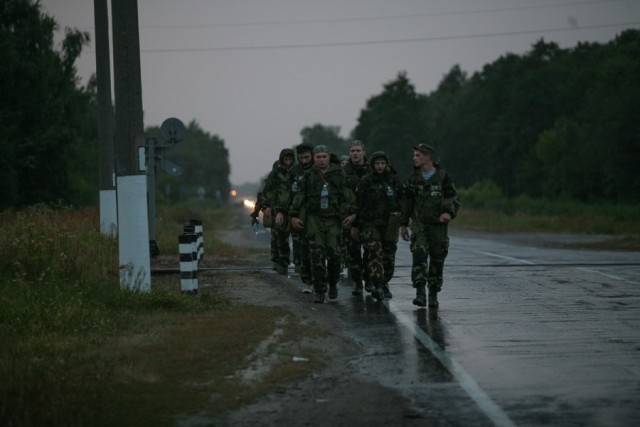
482, 399
610, 276
523, 261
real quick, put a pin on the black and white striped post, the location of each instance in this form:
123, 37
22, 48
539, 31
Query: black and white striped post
188, 262
195, 226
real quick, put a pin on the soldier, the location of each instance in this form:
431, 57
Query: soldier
304, 152
276, 199
266, 223
431, 202
355, 169
329, 205
378, 201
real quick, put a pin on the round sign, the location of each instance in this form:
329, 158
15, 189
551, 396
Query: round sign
172, 130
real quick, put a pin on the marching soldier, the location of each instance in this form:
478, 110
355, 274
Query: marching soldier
377, 223
276, 199
356, 258
328, 203
301, 259
431, 202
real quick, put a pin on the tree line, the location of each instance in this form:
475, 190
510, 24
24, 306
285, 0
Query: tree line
554, 123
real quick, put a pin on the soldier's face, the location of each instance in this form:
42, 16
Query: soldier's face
380, 165
287, 161
321, 160
421, 159
304, 158
357, 154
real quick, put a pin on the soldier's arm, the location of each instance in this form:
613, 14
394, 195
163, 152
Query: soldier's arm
407, 203
450, 202
268, 194
285, 197
298, 199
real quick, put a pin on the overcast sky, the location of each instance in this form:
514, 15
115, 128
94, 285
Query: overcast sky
255, 72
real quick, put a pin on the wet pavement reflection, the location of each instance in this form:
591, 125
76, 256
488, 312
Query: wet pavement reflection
524, 336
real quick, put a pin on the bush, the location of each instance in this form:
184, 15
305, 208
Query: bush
483, 194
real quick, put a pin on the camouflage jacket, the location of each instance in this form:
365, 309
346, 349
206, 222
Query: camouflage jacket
277, 187
424, 201
341, 197
378, 195
356, 172
277, 190
298, 170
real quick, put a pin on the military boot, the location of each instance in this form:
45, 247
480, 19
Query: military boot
283, 269
387, 291
357, 290
368, 286
421, 296
378, 293
333, 291
319, 298
433, 299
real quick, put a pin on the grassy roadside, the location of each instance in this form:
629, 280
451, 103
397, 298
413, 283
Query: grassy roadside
78, 350
624, 236
484, 208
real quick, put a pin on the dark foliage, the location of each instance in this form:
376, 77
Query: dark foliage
552, 122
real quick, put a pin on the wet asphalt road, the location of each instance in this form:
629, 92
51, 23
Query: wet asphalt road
524, 335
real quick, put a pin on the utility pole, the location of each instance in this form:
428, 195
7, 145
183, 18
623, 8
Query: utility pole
107, 185
133, 225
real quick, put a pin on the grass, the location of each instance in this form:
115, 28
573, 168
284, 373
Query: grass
484, 208
78, 350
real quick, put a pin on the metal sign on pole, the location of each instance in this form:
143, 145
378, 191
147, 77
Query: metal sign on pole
172, 131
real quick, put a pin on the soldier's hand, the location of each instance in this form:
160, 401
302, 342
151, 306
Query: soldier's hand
404, 233
297, 223
348, 220
445, 217
279, 218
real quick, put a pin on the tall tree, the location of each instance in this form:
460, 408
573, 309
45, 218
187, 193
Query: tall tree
391, 122
41, 108
325, 135
204, 161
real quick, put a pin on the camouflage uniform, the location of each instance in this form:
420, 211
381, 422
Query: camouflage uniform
323, 226
277, 196
356, 254
425, 201
259, 206
378, 200
300, 245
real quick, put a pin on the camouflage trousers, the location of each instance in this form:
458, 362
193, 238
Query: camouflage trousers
280, 249
429, 249
356, 258
301, 257
323, 235
381, 254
